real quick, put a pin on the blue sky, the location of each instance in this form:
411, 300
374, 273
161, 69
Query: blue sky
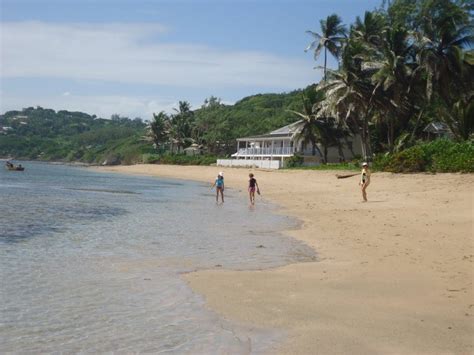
136, 57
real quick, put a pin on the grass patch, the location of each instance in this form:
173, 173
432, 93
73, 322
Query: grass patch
179, 159
330, 166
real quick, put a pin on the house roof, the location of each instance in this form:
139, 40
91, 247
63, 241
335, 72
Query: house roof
436, 127
280, 133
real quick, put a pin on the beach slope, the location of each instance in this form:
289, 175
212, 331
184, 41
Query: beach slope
395, 274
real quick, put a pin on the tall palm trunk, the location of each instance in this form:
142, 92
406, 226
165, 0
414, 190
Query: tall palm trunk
342, 158
325, 62
390, 134
315, 148
365, 136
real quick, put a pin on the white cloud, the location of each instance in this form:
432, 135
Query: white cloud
131, 53
102, 106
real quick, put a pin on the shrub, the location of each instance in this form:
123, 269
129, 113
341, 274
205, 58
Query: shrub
150, 158
179, 159
455, 157
439, 156
294, 161
407, 161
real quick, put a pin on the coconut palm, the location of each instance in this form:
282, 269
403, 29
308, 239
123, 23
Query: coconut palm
317, 128
181, 125
333, 34
311, 129
368, 30
460, 118
349, 96
158, 129
446, 33
392, 81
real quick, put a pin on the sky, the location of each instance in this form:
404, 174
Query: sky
137, 57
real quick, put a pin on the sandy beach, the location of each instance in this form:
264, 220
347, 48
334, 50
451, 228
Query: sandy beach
395, 275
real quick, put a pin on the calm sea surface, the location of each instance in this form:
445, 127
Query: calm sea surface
92, 261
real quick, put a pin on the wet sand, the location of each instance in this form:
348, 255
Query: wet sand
395, 274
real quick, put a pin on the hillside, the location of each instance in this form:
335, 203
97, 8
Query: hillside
45, 134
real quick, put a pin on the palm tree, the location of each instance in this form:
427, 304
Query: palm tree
392, 81
369, 30
333, 34
460, 118
181, 125
310, 129
446, 32
159, 129
316, 128
349, 93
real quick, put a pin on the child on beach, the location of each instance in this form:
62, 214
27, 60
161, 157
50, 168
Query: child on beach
364, 180
219, 184
253, 185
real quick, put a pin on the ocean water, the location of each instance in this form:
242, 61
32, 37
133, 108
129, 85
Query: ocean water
91, 262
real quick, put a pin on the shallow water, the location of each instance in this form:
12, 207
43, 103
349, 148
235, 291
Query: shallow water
91, 261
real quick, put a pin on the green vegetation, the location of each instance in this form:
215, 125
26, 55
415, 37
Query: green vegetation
401, 66
215, 126
437, 156
179, 159
351, 166
44, 134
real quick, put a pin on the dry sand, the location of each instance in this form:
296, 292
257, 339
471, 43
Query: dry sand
395, 274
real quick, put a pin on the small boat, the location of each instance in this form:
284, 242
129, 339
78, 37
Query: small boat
11, 167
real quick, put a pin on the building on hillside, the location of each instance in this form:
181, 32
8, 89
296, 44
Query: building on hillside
272, 149
436, 130
194, 149
5, 129
20, 117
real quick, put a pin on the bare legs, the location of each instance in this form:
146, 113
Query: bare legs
252, 197
221, 190
364, 192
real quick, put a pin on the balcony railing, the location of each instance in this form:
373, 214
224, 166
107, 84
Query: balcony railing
265, 151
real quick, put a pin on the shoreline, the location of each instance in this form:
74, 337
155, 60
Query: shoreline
393, 275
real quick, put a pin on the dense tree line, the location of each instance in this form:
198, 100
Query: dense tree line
39, 133
401, 66
215, 125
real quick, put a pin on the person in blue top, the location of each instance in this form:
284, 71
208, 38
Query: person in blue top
219, 184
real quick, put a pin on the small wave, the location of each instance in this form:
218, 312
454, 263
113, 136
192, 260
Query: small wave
104, 190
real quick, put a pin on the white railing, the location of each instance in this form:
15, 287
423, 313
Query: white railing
265, 151
250, 163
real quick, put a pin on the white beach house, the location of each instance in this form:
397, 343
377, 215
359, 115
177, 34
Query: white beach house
270, 150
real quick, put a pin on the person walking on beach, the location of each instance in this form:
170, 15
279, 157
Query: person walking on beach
364, 180
253, 185
219, 184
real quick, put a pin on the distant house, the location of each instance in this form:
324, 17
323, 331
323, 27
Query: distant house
272, 149
5, 129
20, 117
194, 149
436, 130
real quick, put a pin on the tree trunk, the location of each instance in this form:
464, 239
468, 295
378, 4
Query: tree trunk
342, 158
325, 154
349, 146
412, 136
366, 137
390, 134
325, 61
316, 149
